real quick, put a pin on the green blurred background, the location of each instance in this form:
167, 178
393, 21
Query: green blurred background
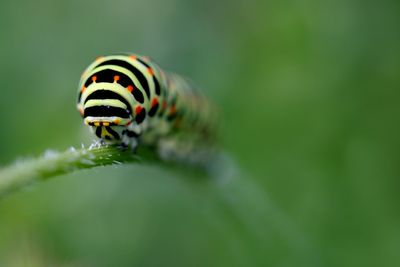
308, 92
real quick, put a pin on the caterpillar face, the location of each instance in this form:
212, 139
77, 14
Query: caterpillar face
109, 133
110, 98
106, 111
107, 118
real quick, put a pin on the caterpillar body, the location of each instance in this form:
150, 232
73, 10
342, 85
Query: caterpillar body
128, 99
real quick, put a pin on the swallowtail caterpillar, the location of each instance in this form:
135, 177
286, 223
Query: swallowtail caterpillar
129, 100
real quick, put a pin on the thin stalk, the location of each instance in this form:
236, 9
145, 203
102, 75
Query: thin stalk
51, 164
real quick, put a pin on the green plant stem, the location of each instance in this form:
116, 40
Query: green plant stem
51, 164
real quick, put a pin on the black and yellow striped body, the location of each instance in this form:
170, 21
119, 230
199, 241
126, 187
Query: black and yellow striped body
128, 98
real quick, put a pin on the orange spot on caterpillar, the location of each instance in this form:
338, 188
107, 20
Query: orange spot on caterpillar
172, 110
133, 57
117, 121
94, 78
83, 89
99, 58
130, 88
128, 123
138, 109
81, 111
154, 102
150, 71
116, 78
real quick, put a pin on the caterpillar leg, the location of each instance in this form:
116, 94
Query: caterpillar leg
130, 137
183, 150
125, 140
172, 149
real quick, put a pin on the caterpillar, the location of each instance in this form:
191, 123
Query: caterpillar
128, 99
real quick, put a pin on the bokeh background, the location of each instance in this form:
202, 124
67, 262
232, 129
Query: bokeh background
309, 98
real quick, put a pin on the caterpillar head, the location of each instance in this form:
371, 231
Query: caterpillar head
108, 99
106, 115
107, 118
